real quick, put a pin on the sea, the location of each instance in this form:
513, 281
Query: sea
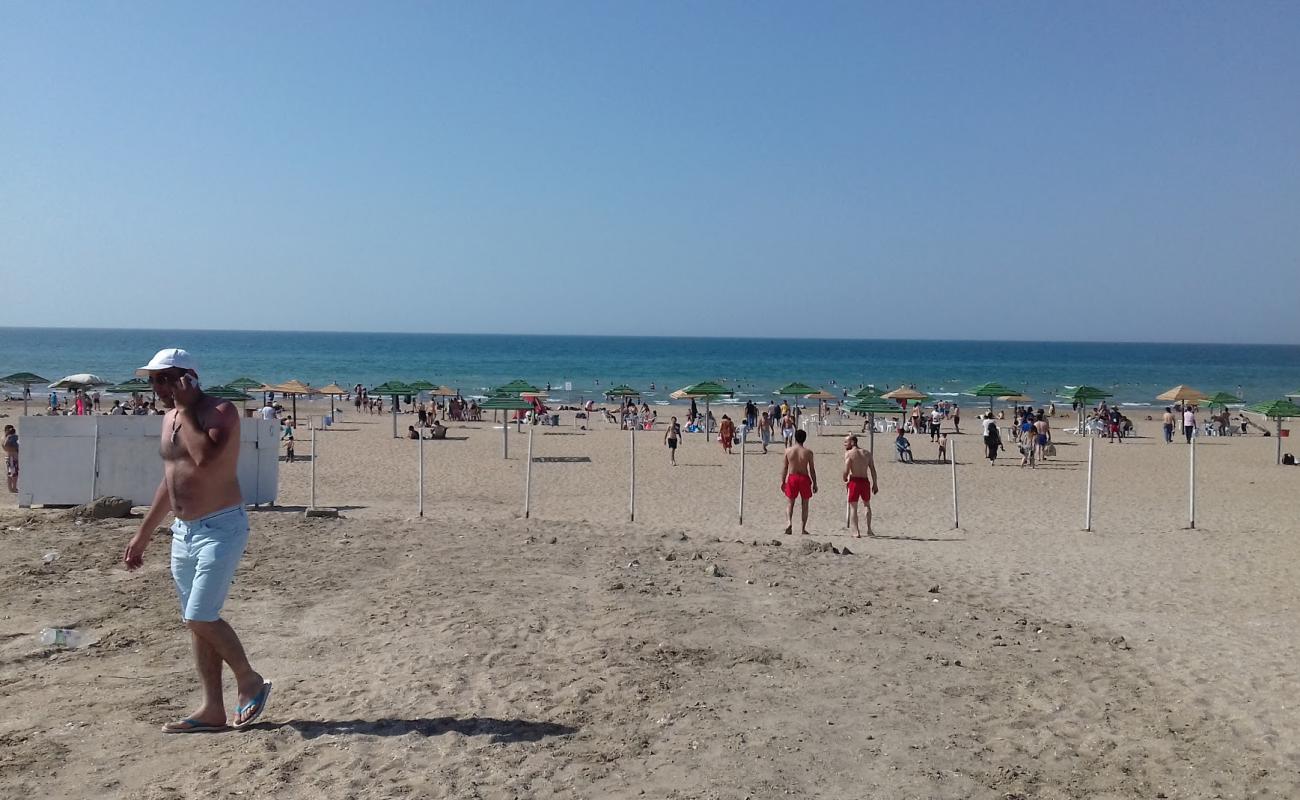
578, 367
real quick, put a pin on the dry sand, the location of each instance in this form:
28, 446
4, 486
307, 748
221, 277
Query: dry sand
473, 653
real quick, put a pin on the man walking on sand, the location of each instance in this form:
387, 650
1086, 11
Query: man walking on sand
860, 480
200, 449
798, 479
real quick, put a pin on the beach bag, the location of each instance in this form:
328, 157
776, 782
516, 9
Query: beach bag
1288, 459
1050, 450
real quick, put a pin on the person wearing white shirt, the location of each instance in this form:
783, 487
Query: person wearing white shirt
1189, 423
268, 411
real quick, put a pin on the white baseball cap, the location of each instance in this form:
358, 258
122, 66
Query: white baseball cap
168, 358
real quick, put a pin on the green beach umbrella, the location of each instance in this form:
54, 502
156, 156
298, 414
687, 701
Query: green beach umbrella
517, 386
25, 380
227, 393
1222, 399
393, 389
796, 388
706, 390
991, 390
622, 390
866, 391
505, 402
1085, 395
422, 386
871, 405
1278, 410
130, 386
245, 383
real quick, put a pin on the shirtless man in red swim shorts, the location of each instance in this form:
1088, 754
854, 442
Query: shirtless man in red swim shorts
861, 481
798, 478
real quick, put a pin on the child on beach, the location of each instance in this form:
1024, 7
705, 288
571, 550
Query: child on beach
943, 447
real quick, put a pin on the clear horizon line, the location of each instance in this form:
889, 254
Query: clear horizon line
645, 336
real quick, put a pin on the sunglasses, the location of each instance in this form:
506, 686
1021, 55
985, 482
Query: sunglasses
159, 378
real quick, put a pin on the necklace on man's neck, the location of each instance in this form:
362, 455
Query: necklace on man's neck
176, 425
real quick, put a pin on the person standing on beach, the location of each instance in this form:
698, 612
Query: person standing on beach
1189, 422
726, 434
992, 439
765, 430
10, 446
798, 479
1169, 425
672, 435
200, 451
860, 481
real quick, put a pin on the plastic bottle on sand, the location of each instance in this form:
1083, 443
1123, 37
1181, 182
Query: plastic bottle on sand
64, 637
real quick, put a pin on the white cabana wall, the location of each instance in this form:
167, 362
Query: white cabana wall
62, 464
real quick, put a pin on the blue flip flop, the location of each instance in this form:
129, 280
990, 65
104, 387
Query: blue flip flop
257, 705
189, 725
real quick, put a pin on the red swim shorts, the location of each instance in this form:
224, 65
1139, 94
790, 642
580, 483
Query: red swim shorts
798, 486
859, 489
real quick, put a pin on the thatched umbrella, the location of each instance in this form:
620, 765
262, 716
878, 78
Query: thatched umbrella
292, 388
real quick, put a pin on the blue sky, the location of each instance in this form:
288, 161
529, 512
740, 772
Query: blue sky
940, 170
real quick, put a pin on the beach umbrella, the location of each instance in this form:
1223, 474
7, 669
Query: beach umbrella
517, 386
505, 402
245, 383
292, 388
820, 394
623, 391
866, 391
1222, 399
131, 386
991, 390
1085, 395
903, 394
1182, 394
1278, 410
226, 393
25, 380
443, 391
333, 390
82, 380
871, 406
706, 390
796, 388
422, 386
392, 389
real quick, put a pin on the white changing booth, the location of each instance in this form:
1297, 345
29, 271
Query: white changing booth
73, 460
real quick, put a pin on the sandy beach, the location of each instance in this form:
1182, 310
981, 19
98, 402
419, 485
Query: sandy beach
472, 653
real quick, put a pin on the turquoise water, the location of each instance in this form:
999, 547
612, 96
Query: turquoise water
471, 363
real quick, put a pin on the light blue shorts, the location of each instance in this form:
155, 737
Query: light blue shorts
205, 554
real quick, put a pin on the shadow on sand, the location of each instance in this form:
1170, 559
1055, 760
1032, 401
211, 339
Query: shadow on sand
498, 731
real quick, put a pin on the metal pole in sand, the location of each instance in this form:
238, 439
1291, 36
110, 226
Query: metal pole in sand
94, 466
505, 436
631, 484
952, 455
741, 510
313, 465
1191, 485
528, 475
421, 494
1087, 502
